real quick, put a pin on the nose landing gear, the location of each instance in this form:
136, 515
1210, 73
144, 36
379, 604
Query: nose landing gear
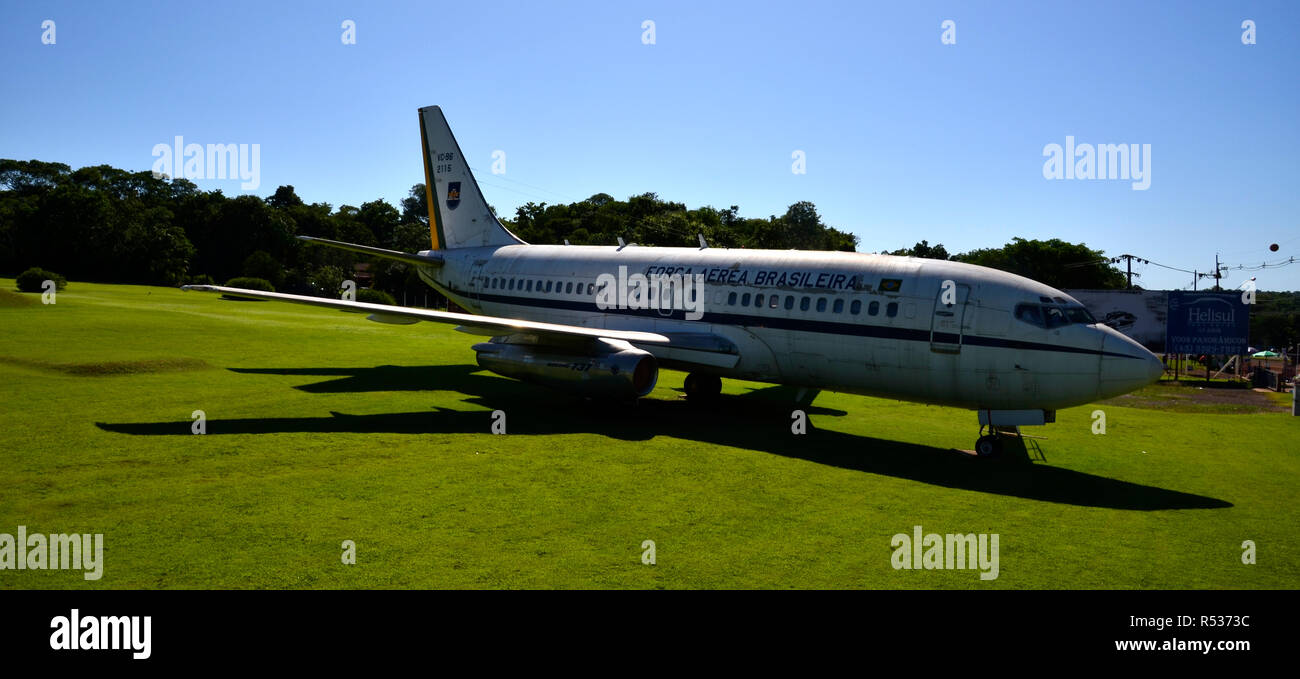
1010, 443
1003, 433
988, 446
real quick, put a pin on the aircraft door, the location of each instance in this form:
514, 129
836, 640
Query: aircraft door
948, 321
477, 281
664, 297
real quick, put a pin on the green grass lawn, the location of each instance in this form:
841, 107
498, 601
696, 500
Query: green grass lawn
323, 427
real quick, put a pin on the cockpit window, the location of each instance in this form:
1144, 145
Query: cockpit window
1051, 316
1030, 313
1054, 317
1080, 315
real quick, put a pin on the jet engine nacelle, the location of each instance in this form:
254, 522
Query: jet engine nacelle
615, 369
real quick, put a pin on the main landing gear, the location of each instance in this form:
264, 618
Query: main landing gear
702, 387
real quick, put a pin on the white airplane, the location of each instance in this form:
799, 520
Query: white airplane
600, 321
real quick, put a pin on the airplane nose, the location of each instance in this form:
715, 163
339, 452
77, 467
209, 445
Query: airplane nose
1126, 365
1155, 368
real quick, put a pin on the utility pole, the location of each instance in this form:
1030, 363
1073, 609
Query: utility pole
1218, 273
1129, 260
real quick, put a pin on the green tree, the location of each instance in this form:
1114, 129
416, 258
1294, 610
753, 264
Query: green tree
1052, 262
284, 197
262, 265
415, 206
923, 250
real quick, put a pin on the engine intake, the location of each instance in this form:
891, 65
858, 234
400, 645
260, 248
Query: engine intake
615, 369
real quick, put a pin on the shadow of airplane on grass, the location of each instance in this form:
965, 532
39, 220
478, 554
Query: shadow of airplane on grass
755, 421
465, 379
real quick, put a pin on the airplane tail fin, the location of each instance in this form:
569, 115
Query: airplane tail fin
458, 215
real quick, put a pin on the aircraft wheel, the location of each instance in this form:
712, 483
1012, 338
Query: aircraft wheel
701, 388
988, 446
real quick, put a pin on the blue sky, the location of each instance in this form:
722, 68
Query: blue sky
905, 138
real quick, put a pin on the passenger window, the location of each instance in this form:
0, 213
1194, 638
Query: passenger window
873, 308
891, 309
856, 307
731, 299
758, 301
512, 284
839, 306
804, 303
744, 299
774, 301
821, 304
591, 288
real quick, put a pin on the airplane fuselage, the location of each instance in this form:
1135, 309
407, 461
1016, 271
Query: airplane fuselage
915, 329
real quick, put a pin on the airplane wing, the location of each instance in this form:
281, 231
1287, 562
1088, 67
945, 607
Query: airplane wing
480, 325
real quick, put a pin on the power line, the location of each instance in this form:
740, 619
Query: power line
1266, 265
513, 190
502, 177
1166, 266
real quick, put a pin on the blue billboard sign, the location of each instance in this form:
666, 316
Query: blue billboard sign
1207, 323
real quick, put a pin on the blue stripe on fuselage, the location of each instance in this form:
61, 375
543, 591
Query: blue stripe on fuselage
795, 324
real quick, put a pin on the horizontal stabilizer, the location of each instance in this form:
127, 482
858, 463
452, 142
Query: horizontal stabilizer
430, 258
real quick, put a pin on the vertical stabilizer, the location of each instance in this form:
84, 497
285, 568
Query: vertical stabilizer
458, 215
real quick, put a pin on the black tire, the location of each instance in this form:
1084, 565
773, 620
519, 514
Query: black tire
701, 387
988, 446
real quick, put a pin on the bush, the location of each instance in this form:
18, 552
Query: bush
201, 279
33, 280
250, 283
375, 297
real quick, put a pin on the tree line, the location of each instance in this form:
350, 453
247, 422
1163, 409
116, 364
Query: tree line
105, 224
